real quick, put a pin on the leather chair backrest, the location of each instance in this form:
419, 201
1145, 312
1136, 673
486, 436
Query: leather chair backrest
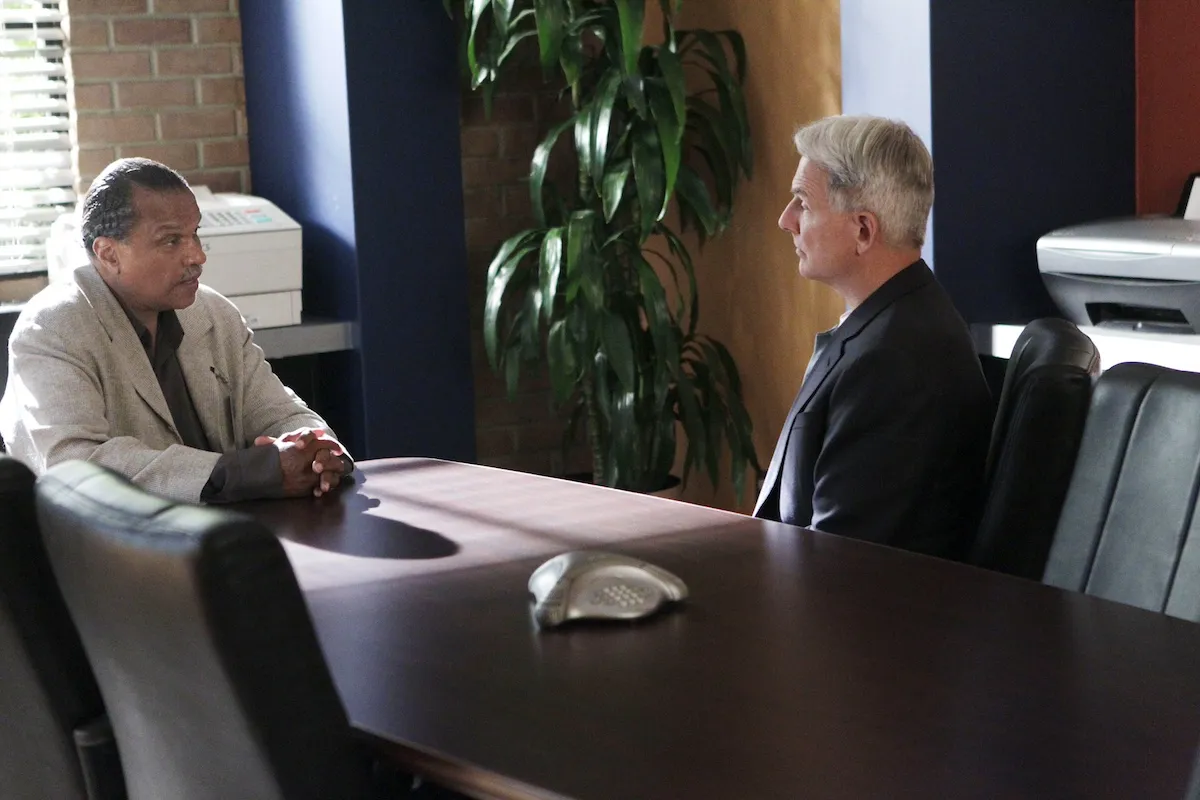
202, 645
46, 684
1039, 422
1128, 530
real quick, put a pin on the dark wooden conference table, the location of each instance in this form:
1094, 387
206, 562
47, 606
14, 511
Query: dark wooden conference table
803, 665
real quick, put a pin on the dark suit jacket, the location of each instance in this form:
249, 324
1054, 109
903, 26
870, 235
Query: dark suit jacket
887, 439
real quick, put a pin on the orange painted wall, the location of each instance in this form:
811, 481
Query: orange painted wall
1167, 48
751, 295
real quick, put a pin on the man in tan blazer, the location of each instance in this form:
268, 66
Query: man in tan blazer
136, 366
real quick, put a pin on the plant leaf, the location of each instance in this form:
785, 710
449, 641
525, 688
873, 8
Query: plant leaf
613, 188
497, 284
583, 268
728, 86
501, 13
537, 170
619, 348
648, 172
680, 251
728, 367
693, 423
669, 263
583, 139
716, 132
693, 191
632, 14
570, 60
672, 72
720, 175
550, 26
531, 315
712, 50
478, 73
733, 109
632, 87
561, 364
669, 135
658, 317
738, 45
513, 41
550, 262
579, 239
669, 9
512, 370
507, 248
601, 119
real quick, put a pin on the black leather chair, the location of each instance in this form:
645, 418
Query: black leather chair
1039, 422
51, 713
1128, 530
202, 644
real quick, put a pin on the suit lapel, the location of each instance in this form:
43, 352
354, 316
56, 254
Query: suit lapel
209, 397
125, 341
904, 282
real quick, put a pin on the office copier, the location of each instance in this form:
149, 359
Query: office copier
253, 251
1136, 273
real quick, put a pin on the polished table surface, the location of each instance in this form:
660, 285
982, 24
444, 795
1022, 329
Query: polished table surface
803, 665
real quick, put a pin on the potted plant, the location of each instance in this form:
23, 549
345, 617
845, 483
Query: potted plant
604, 288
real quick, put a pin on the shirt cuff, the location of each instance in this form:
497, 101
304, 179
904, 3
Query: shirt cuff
249, 474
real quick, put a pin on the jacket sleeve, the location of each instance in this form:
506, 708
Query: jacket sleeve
54, 411
876, 453
268, 407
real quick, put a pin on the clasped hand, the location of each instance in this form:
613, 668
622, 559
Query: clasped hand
310, 459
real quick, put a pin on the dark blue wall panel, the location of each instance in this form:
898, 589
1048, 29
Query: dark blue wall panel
300, 138
1033, 129
353, 114
407, 165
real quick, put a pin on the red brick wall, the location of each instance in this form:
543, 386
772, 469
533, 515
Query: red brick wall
160, 79
1168, 101
522, 433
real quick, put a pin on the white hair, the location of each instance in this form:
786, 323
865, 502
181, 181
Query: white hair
874, 164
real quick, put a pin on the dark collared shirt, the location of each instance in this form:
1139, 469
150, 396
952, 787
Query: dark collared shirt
241, 475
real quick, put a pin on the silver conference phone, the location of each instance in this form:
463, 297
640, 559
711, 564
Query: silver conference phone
597, 585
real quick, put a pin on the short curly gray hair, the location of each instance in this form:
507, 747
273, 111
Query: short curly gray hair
874, 164
108, 207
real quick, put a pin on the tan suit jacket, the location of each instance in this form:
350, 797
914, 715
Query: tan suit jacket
80, 387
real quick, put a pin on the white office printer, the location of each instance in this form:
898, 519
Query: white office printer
253, 251
1137, 274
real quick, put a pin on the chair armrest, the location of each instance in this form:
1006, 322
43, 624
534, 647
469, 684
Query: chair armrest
98, 757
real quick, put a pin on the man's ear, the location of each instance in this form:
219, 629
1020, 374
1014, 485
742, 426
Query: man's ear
106, 255
866, 232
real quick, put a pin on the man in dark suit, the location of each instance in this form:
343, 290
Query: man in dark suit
887, 438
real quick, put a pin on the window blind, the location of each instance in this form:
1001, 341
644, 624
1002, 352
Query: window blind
36, 179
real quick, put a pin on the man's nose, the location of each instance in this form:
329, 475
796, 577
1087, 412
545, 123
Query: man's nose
785, 221
196, 254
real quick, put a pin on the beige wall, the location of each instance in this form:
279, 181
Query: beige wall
751, 296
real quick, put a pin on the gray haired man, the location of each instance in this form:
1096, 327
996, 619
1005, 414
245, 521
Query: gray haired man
887, 437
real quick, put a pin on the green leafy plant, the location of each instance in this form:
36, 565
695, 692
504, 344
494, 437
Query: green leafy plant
604, 289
